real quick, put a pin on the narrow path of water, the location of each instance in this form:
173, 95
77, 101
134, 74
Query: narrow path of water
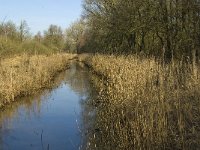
49, 120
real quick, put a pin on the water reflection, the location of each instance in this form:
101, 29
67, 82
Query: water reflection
52, 119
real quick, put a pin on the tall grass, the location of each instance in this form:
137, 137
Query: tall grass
145, 105
24, 75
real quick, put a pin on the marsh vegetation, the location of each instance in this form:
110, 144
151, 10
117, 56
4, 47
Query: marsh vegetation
144, 105
24, 75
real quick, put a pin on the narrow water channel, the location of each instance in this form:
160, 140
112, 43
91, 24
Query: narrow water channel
52, 119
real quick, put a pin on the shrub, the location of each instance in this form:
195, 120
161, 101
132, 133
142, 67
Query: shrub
8, 47
33, 47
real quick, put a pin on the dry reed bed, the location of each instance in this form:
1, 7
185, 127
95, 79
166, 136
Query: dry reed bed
24, 75
144, 105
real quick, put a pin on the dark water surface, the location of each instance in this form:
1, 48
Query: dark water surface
52, 119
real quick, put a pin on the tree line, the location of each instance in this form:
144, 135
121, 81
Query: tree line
18, 39
162, 28
168, 29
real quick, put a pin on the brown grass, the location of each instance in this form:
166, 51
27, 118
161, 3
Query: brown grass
24, 75
144, 105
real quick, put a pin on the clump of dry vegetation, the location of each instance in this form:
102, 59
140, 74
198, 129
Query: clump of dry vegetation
24, 75
145, 105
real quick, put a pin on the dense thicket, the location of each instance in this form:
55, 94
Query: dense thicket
17, 39
168, 28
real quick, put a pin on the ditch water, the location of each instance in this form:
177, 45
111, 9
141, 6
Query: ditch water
52, 119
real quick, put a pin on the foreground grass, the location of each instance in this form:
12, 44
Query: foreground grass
24, 75
144, 105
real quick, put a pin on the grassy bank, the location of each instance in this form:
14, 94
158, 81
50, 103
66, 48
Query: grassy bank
145, 105
24, 75
10, 48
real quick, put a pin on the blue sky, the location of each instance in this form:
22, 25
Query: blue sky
39, 14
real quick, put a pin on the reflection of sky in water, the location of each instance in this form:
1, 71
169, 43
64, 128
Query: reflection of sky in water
54, 116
